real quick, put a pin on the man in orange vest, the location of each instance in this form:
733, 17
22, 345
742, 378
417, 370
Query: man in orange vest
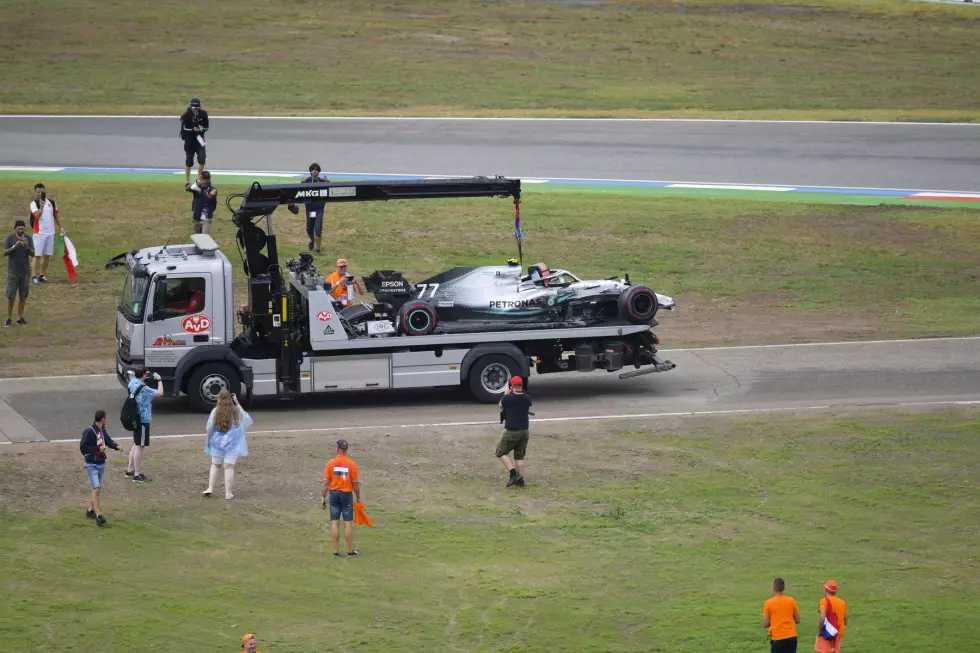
341, 480
339, 281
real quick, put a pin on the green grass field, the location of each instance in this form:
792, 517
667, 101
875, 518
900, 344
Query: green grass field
824, 59
664, 536
742, 272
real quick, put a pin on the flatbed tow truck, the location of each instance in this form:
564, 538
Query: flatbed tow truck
176, 316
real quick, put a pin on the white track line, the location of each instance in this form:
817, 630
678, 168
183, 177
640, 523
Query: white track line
503, 119
583, 418
17, 379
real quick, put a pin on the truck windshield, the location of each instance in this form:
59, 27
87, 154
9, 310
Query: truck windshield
133, 298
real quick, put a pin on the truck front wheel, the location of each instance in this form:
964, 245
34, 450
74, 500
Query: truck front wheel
490, 375
207, 381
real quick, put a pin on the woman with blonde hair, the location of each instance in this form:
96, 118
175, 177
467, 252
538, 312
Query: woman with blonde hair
226, 440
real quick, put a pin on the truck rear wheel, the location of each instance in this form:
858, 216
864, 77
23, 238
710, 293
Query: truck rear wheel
489, 377
207, 381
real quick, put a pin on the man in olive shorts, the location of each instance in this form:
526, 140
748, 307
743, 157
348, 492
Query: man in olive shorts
18, 247
514, 407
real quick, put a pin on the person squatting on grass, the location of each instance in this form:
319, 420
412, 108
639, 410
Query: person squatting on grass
780, 615
44, 217
226, 443
515, 406
833, 620
144, 396
18, 247
249, 644
341, 480
95, 440
204, 204
193, 125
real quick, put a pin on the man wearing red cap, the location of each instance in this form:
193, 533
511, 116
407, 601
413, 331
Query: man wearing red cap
833, 620
515, 406
248, 643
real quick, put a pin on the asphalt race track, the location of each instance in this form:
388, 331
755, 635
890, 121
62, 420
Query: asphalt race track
792, 377
866, 155
787, 377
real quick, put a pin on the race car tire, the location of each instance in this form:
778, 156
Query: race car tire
490, 375
417, 318
638, 305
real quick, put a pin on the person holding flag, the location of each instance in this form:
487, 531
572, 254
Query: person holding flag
833, 620
44, 217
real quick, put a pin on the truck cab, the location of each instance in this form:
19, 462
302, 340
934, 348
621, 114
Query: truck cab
175, 311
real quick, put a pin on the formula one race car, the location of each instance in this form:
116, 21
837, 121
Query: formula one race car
504, 297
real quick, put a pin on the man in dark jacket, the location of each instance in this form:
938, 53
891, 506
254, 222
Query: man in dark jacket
95, 440
515, 406
204, 204
314, 210
193, 125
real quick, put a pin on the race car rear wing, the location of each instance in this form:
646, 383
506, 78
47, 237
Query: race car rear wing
261, 200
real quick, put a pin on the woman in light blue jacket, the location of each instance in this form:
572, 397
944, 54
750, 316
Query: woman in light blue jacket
226, 430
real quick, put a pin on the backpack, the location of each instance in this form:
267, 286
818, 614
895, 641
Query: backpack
129, 416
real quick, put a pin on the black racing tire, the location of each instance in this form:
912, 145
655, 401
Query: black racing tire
638, 305
417, 318
207, 380
489, 376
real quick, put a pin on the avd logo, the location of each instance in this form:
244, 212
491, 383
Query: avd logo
324, 316
196, 323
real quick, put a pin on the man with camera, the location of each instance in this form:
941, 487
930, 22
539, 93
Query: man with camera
515, 406
314, 210
144, 396
193, 125
204, 204
18, 247
343, 285
44, 217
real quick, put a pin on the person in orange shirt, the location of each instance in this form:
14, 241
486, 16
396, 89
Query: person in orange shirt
839, 608
248, 643
780, 616
339, 281
341, 480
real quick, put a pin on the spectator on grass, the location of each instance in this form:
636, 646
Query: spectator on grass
141, 436
18, 247
780, 615
314, 210
95, 440
341, 480
204, 204
226, 443
515, 406
44, 217
833, 620
340, 280
248, 643
193, 125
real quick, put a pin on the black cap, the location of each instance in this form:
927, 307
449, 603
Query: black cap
206, 174
196, 103
342, 444
315, 166
19, 223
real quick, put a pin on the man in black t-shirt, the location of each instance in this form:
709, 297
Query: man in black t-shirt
193, 125
514, 407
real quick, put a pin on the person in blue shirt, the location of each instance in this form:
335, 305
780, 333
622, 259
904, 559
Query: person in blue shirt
144, 396
225, 443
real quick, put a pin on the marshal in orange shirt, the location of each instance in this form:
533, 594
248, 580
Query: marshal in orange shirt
781, 610
341, 473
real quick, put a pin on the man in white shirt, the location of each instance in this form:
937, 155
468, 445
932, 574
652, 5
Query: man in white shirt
44, 217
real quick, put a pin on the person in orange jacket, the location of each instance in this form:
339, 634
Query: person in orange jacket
248, 643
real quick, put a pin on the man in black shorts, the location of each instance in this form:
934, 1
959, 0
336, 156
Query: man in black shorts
193, 125
514, 407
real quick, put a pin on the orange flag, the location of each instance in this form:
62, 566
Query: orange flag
360, 517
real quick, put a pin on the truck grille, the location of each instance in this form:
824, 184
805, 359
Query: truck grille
124, 346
